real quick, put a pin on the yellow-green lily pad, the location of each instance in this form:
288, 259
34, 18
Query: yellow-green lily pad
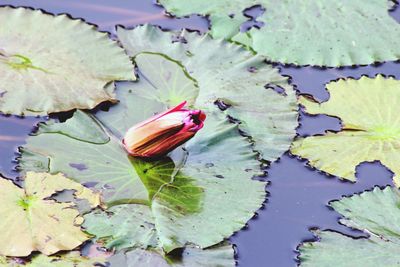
33, 222
368, 109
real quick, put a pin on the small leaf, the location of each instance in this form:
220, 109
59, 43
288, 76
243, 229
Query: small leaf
42, 72
376, 213
368, 109
35, 222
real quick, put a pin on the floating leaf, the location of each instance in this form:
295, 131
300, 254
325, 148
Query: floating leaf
198, 197
219, 256
70, 259
64, 67
36, 223
376, 213
309, 32
132, 225
225, 73
368, 109
123, 226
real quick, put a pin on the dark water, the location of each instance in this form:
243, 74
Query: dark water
298, 194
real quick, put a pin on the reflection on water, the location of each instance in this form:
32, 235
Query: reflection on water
106, 14
13, 131
298, 195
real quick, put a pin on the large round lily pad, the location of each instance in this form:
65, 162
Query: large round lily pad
200, 195
55, 63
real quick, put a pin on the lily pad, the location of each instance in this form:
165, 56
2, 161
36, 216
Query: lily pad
123, 226
201, 195
132, 226
308, 32
69, 259
224, 73
33, 222
368, 110
66, 66
376, 213
219, 256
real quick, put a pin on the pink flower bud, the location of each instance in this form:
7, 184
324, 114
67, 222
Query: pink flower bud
163, 132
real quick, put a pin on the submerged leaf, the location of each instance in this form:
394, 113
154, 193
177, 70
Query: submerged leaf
66, 66
218, 256
242, 83
376, 213
35, 222
370, 131
307, 32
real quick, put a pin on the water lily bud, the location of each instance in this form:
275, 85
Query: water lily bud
163, 132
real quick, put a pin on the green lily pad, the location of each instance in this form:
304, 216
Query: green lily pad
218, 256
132, 226
32, 222
201, 195
368, 109
223, 72
66, 66
123, 226
308, 32
376, 213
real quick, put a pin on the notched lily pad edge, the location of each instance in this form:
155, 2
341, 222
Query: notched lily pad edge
95, 28
93, 25
392, 6
317, 230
